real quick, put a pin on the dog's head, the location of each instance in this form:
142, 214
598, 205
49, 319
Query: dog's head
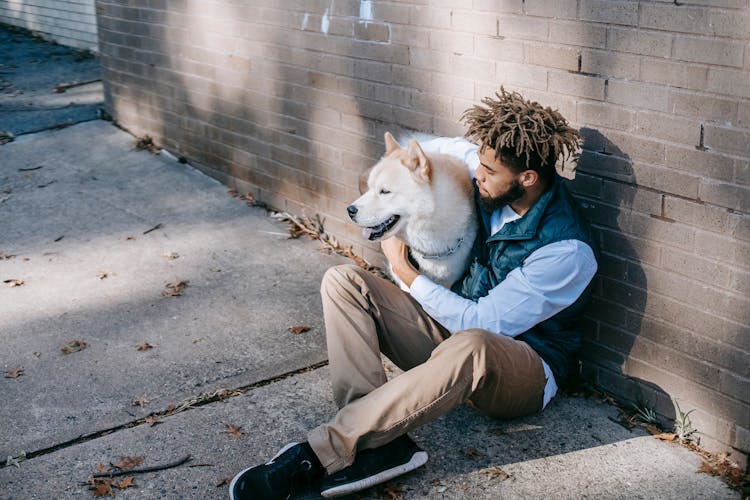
397, 187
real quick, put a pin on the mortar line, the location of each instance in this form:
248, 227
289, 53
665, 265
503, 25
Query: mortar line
84, 438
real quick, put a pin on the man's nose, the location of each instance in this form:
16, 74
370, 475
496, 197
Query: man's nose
352, 210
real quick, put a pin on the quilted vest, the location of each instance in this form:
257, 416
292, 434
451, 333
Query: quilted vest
554, 217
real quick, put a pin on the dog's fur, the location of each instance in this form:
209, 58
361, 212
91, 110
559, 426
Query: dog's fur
426, 200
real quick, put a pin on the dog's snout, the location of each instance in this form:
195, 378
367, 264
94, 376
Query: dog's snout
352, 210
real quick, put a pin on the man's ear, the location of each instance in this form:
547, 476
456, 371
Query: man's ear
416, 161
390, 144
529, 178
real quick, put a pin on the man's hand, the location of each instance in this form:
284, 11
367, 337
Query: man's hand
397, 254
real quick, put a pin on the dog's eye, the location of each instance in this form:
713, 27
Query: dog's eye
384, 191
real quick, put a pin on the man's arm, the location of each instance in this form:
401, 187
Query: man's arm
551, 279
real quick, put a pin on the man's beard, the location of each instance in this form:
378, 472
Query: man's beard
490, 204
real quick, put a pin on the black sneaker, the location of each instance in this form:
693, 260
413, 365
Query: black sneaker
293, 468
375, 466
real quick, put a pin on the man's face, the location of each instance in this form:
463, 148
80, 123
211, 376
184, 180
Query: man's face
498, 184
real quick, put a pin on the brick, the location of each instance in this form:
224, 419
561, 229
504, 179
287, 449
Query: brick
454, 86
731, 82
670, 233
578, 33
413, 119
450, 41
388, 12
674, 74
725, 195
410, 35
375, 32
696, 268
430, 17
702, 106
698, 162
566, 83
606, 165
682, 19
523, 27
707, 217
557, 9
610, 64
551, 56
708, 50
638, 95
521, 74
688, 342
430, 60
739, 225
666, 181
497, 49
474, 22
722, 248
605, 115
411, 77
624, 144
640, 200
668, 127
727, 139
675, 362
743, 118
511, 6
612, 12
742, 171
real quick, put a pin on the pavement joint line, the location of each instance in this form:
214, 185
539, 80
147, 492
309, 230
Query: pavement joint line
202, 399
57, 126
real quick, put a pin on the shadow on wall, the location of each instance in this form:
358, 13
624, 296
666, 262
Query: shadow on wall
617, 308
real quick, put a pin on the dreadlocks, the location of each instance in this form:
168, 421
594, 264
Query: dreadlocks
522, 132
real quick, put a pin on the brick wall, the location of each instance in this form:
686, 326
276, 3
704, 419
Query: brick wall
288, 99
67, 22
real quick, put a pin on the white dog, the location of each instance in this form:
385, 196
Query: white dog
427, 201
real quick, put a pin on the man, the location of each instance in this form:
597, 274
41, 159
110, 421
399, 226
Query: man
503, 338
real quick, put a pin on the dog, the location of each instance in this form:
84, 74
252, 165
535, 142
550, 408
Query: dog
426, 200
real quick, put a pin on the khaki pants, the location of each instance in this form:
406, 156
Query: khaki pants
366, 315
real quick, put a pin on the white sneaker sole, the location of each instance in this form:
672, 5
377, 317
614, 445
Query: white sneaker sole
237, 476
417, 460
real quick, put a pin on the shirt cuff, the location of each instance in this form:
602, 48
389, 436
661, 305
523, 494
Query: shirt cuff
421, 287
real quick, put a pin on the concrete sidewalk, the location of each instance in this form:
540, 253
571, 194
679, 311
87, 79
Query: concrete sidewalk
92, 232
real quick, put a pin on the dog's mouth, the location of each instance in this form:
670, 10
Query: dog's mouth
375, 232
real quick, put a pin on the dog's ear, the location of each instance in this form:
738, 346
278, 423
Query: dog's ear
391, 144
417, 161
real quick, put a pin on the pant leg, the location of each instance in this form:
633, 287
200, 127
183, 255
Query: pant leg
364, 316
503, 377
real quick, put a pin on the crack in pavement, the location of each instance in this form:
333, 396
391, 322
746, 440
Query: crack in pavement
202, 399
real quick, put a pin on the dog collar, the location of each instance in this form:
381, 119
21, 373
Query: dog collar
450, 251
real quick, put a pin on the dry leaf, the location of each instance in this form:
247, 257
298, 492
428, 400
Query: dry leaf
144, 346
14, 282
473, 453
171, 408
175, 289
127, 482
6, 256
172, 255
142, 401
102, 275
496, 473
299, 329
152, 420
14, 373
224, 482
195, 341
102, 487
128, 462
393, 491
102, 468
234, 430
129, 238
666, 436
73, 346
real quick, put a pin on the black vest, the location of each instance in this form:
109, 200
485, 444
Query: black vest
554, 217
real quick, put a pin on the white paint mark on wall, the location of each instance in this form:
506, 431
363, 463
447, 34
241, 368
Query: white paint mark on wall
365, 10
304, 21
325, 23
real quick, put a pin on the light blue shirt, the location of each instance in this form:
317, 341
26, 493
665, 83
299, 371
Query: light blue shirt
548, 281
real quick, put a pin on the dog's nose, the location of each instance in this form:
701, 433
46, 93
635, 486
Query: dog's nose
352, 210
